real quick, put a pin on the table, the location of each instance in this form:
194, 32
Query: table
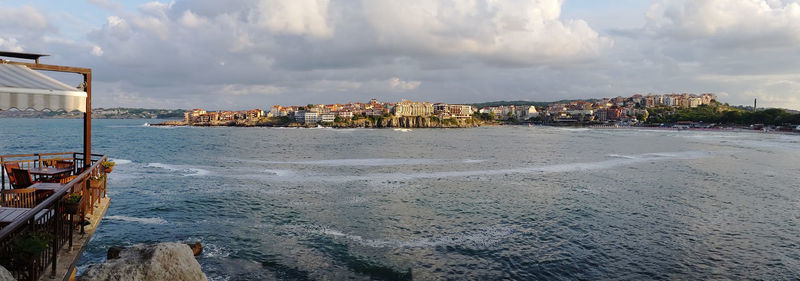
49, 172
9, 215
51, 186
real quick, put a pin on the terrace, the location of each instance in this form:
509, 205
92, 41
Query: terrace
50, 203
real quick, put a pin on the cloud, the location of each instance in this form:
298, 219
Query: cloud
97, 51
192, 20
728, 23
237, 53
237, 90
10, 44
516, 31
296, 17
400, 85
23, 18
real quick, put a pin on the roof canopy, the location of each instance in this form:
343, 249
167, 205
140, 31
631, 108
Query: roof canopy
23, 88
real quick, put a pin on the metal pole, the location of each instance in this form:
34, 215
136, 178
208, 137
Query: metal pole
87, 122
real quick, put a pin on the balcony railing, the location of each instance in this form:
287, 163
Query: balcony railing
31, 243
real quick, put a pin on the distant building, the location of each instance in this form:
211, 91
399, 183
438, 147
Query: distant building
327, 118
411, 108
307, 117
345, 114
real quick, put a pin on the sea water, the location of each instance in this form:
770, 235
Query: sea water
518, 203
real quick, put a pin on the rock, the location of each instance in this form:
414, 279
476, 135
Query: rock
5, 275
197, 248
164, 261
114, 252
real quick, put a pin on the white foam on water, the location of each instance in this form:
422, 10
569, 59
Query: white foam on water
363, 162
559, 168
213, 251
476, 238
120, 161
189, 170
280, 173
139, 220
402, 130
620, 156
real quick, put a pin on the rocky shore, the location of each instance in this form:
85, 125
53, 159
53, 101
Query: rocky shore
408, 122
148, 262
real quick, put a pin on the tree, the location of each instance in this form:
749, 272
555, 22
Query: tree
337, 119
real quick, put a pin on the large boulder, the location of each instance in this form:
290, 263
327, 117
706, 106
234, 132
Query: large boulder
5, 275
164, 261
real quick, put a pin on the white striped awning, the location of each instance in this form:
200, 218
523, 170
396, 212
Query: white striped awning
23, 88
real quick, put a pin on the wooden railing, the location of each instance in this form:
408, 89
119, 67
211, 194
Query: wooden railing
32, 242
27, 161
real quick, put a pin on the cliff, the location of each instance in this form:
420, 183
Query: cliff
164, 261
363, 122
408, 122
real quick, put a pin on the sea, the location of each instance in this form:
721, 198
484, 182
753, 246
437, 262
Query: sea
488, 203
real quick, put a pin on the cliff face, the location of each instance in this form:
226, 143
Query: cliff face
409, 122
373, 122
164, 261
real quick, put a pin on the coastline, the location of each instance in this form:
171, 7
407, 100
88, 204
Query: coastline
372, 123
174, 123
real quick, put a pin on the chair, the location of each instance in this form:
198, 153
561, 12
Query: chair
66, 180
9, 171
18, 198
62, 164
22, 178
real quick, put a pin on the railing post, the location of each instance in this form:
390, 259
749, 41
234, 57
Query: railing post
56, 222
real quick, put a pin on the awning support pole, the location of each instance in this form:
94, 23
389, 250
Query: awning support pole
87, 121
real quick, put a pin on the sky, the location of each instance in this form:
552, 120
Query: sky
243, 54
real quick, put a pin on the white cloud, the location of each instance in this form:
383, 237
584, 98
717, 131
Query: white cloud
400, 85
192, 20
736, 23
97, 51
25, 17
10, 44
237, 90
514, 31
296, 17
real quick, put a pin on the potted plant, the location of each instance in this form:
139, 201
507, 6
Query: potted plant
96, 181
73, 203
26, 248
108, 166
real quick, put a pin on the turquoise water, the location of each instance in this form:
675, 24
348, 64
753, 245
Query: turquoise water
515, 203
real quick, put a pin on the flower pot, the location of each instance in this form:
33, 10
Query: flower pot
73, 207
95, 184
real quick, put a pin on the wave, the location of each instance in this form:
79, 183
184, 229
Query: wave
280, 173
477, 238
190, 171
620, 156
127, 126
402, 130
139, 220
370, 162
558, 168
362, 162
120, 161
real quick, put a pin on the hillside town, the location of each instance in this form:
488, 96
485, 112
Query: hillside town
624, 110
